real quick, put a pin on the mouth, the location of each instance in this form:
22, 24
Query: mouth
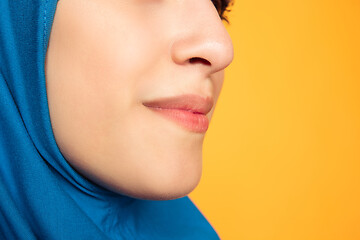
188, 111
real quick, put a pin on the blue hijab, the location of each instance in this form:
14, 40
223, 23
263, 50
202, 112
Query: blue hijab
41, 196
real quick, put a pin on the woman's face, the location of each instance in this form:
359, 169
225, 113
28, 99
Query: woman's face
131, 85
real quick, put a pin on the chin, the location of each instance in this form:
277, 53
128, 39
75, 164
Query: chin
167, 184
164, 192
172, 182
171, 190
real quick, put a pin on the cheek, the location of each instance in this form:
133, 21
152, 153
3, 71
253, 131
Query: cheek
79, 74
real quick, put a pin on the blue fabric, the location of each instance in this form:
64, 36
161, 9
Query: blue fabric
41, 196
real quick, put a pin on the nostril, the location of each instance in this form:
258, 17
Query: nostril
199, 60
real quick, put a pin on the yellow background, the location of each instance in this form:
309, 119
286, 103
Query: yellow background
282, 155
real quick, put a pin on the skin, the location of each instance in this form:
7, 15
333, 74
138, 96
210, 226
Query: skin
104, 59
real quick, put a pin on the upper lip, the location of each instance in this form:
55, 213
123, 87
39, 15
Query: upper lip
187, 102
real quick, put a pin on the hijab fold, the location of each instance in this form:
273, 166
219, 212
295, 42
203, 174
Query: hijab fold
41, 195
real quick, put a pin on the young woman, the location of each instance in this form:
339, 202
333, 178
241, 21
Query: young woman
104, 105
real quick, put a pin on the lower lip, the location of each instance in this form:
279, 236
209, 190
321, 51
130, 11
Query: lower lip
194, 122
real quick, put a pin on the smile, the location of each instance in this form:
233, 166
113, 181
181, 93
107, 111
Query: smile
189, 111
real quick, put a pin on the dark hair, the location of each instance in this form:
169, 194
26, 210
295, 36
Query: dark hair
222, 7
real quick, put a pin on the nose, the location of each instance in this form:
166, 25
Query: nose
202, 38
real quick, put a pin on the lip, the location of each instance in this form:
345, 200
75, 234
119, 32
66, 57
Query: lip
189, 111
